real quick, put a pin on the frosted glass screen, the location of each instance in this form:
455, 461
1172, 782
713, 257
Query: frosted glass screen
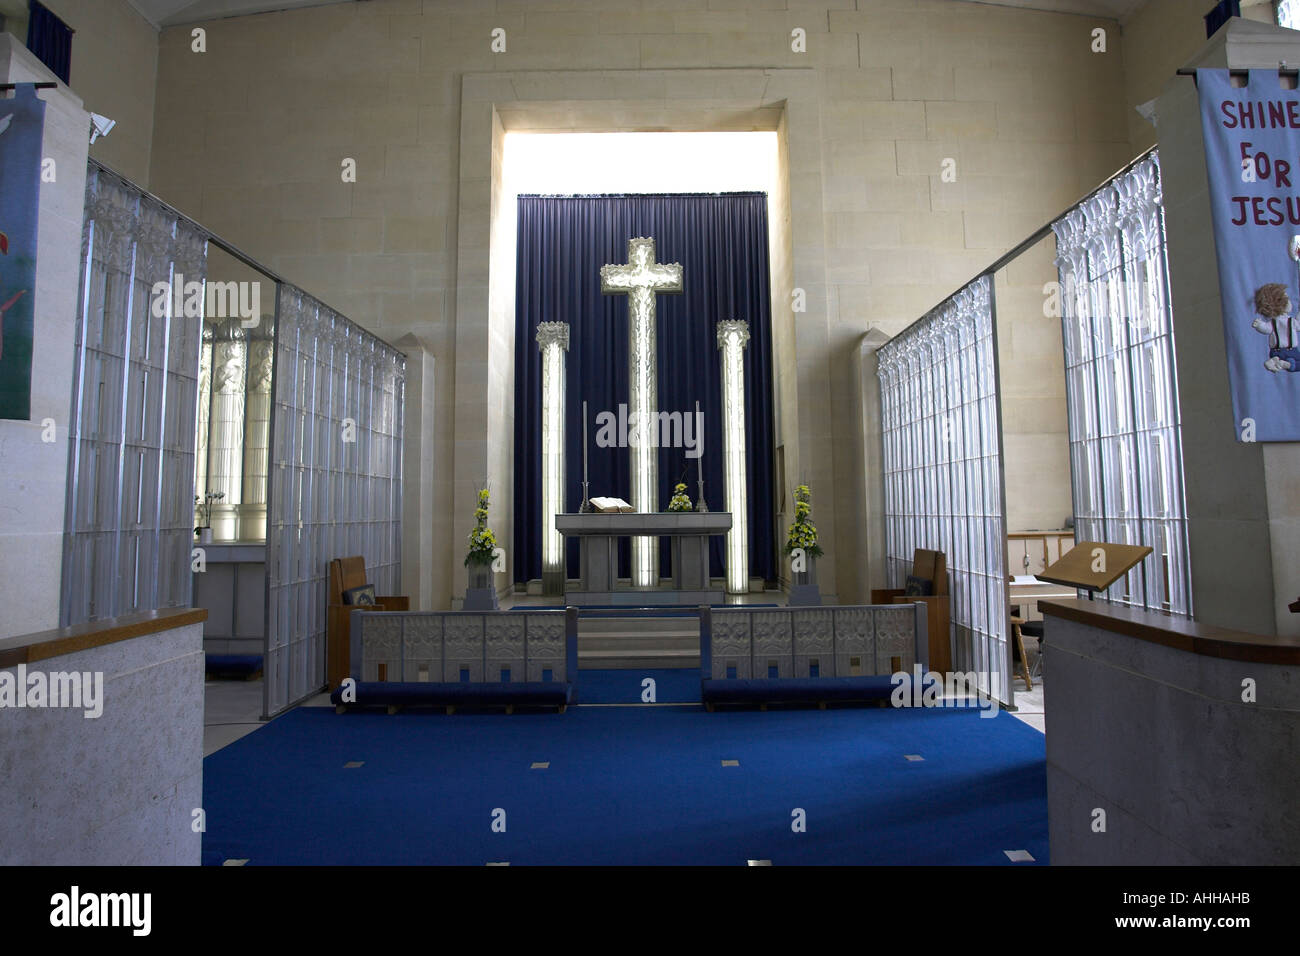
335, 480
1121, 385
130, 517
943, 471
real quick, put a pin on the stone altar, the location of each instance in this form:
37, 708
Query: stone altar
598, 533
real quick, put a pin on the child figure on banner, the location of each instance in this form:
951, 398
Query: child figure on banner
1275, 320
1273, 303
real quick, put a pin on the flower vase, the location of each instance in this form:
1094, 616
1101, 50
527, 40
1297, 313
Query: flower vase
803, 585
480, 595
205, 536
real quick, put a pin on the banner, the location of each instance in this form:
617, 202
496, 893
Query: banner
1252, 155
22, 125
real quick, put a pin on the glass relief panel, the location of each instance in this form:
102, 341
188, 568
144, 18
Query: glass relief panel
1128, 487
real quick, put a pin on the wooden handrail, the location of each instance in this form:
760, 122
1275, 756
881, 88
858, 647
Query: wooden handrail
42, 645
1176, 631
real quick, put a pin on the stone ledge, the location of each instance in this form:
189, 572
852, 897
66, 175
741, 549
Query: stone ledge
1179, 633
42, 645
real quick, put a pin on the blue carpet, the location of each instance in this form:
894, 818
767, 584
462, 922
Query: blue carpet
673, 685
629, 785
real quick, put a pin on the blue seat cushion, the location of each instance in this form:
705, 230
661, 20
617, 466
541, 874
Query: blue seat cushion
541, 693
796, 689
241, 663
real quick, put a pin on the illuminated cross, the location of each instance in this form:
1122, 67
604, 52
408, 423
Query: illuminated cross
640, 280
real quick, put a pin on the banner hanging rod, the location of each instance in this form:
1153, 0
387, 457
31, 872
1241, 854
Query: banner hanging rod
1282, 70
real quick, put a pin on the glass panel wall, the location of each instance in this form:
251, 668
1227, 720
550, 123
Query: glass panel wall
197, 372
129, 525
943, 471
336, 480
1121, 384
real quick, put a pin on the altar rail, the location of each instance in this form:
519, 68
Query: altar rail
863, 641
458, 647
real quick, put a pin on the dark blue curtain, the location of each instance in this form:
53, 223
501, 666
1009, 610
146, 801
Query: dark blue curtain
721, 243
1223, 11
50, 39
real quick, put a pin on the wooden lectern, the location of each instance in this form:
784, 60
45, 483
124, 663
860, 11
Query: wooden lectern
1089, 566
1094, 565
931, 566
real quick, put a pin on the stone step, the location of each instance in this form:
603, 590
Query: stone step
636, 631
664, 645
632, 642
637, 659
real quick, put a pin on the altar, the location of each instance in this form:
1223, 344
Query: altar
647, 432
598, 536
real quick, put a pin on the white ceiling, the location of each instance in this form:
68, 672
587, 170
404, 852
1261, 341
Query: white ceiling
166, 13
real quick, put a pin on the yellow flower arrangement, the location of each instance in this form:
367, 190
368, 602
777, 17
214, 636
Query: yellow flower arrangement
680, 501
803, 533
482, 542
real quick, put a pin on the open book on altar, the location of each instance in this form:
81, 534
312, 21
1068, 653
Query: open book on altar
607, 505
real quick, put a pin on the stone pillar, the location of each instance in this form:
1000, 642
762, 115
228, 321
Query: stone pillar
419, 554
34, 519
553, 341
257, 431
202, 413
733, 336
1243, 519
226, 428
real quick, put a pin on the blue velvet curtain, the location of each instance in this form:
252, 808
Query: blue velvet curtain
50, 39
721, 243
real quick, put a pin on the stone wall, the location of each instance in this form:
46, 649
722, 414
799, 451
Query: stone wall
114, 71
1158, 39
119, 789
1035, 437
1160, 739
1242, 505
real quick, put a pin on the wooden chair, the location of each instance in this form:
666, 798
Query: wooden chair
346, 573
931, 566
1018, 650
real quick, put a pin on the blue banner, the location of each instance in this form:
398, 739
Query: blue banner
1252, 155
22, 126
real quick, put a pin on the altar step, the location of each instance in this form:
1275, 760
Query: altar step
632, 642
